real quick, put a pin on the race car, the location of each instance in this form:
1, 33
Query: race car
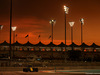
30, 69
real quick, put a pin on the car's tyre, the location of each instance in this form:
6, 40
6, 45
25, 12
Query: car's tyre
35, 69
25, 70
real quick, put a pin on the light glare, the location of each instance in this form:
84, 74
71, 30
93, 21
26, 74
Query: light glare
1, 26
71, 24
52, 21
66, 9
82, 21
14, 28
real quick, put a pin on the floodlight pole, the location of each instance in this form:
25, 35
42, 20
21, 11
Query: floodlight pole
65, 31
82, 42
66, 12
52, 22
10, 29
71, 25
13, 29
72, 37
13, 36
1, 26
10, 56
52, 32
71, 34
0, 35
82, 22
81, 33
13, 42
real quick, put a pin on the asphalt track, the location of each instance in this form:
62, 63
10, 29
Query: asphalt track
34, 73
52, 72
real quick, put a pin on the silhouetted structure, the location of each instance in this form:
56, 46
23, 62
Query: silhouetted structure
4, 44
40, 44
51, 45
61, 45
73, 45
17, 44
54, 52
94, 45
28, 44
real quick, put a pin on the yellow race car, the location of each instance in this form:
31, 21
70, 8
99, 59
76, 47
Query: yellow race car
30, 69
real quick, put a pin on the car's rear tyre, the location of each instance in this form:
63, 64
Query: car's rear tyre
25, 70
35, 69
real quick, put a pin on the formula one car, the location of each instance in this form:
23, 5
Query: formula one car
30, 69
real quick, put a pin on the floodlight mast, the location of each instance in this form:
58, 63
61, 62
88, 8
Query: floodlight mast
82, 23
66, 12
52, 22
10, 49
1, 27
71, 25
66, 9
14, 29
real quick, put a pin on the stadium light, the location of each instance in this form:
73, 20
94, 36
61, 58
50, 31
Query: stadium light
1, 27
71, 25
66, 9
82, 23
52, 22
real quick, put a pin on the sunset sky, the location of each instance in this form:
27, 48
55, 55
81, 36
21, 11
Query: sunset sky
32, 18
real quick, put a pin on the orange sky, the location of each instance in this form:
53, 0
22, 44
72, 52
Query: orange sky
32, 17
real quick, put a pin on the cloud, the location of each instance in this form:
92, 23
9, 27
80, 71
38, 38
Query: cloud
31, 25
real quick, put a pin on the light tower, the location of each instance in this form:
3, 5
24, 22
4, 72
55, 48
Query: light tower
66, 12
82, 23
52, 22
10, 49
1, 27
14, 29
71, 25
